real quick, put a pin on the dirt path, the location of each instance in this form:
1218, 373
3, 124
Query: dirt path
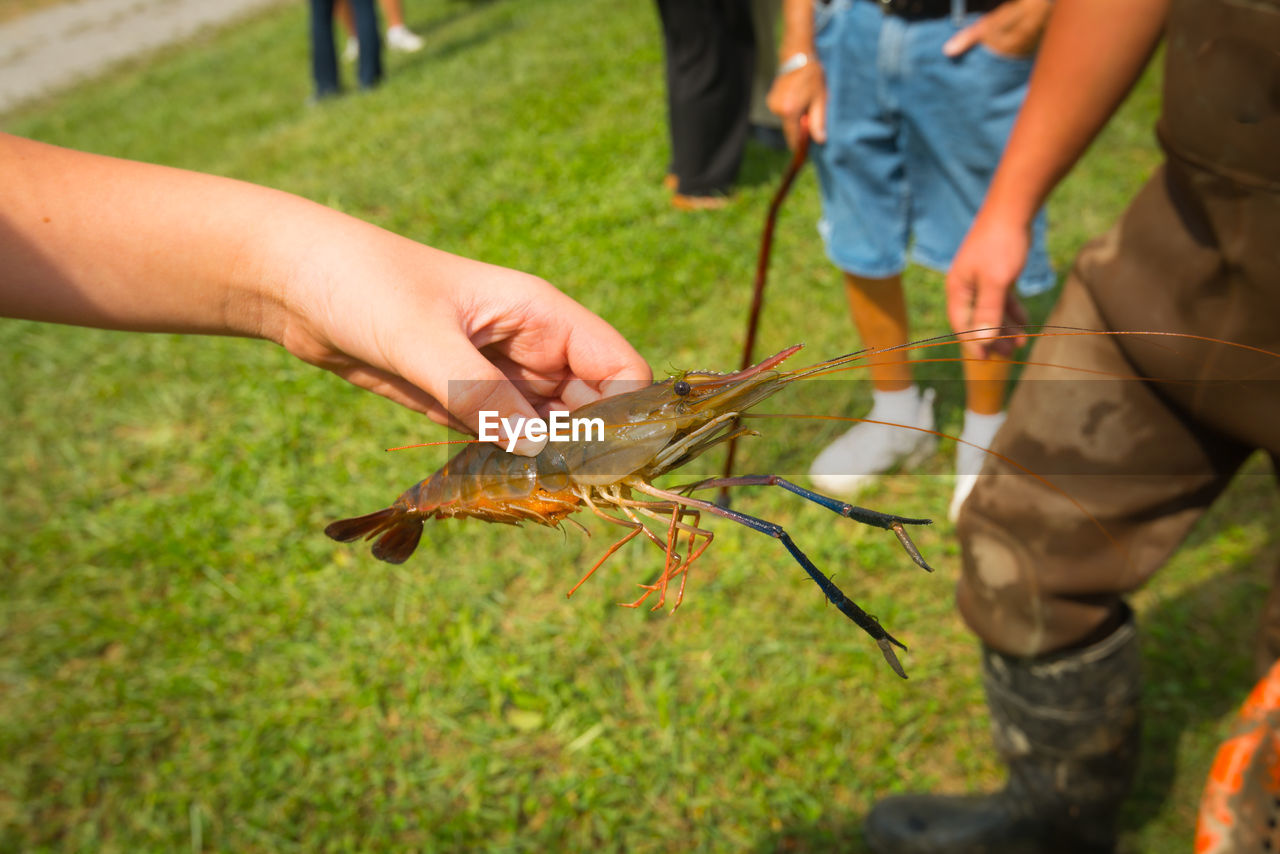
54, 48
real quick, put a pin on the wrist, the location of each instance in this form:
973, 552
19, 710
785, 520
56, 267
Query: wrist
294, 278
1008, 206
794, 61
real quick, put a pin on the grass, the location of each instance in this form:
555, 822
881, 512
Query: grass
187, 663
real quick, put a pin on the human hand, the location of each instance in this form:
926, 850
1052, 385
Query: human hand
1011, 29
801, 95
980, 292
446, 335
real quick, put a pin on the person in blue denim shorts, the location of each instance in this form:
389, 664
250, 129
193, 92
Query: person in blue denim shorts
909, 103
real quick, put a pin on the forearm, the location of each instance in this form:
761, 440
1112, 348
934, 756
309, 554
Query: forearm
98, 241
797, 29
1092, 53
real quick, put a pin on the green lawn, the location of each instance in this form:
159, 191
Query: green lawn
186, 662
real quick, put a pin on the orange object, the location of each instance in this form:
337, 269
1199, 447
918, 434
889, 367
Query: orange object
1240, 807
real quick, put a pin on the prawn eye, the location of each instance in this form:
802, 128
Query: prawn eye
681, 388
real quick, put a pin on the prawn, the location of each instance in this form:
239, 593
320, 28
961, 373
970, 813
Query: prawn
647, 433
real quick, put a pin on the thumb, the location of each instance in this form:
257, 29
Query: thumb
989, 313
458, 375
962, 41
817, 121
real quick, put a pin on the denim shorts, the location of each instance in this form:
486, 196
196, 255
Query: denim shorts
913, 138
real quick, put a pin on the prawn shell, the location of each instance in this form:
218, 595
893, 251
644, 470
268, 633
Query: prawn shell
626, 448
637, 425
478, 472
553, 468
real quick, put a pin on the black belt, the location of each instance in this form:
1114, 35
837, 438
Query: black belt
920, 10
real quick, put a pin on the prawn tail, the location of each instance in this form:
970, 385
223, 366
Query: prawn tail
400, 529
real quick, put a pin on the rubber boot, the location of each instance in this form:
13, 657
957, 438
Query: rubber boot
1067, 725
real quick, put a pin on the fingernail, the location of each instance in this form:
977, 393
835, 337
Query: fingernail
951, 47
526, 447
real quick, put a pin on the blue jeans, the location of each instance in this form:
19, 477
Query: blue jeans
324, 58
913, 138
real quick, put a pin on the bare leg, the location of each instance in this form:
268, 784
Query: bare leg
394, 10
856, 459
984, 389
879, 311
985, 383
342, 10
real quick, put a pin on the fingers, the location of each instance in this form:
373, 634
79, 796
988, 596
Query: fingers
959, 304
962, 288
964, 40
980, 300
561, 353
812, 122
988, 308
577, 392
598, 354
397, 390
982, 311
596, 362
1013, 29
996, 323
817, 121
790, 114
798, 94
539, 347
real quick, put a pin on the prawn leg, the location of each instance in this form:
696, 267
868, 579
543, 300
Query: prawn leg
834, 594
676, 565
874, 518
636, 526
695, 552
628, 537
678, 525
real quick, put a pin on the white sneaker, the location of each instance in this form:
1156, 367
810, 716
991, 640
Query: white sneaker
403, 39
855, 460
978, 432
351, 52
